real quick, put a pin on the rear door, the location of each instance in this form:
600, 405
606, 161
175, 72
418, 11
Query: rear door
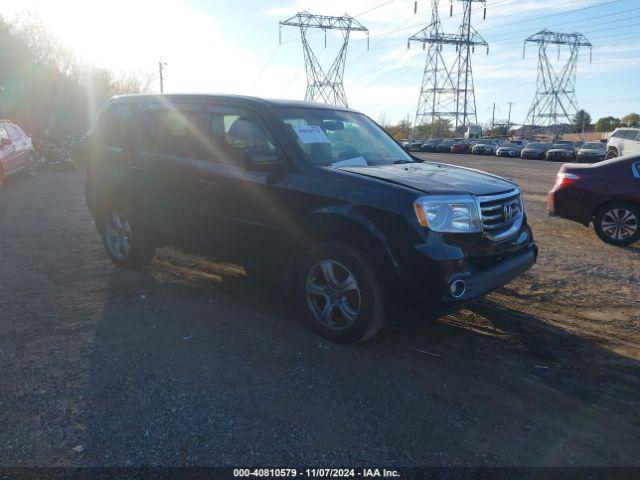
109, 165
172, 144
632, 142
7, 153
20, 145
636, 176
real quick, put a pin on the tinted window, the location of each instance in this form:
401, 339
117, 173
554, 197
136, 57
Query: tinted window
3, 133
115, 125
618, 134
179, 133
13, 132
185, 131
232, 135
631, 134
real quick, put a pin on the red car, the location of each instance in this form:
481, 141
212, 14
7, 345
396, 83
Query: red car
605, 193
16, 152
461, 147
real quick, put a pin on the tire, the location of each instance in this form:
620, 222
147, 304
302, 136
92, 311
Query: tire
618, 223
611, 153
354, 314
124, 240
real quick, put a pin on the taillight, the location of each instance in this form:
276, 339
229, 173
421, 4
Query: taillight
565, 179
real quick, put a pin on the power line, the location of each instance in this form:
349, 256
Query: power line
581, 22
374, 8
552, 15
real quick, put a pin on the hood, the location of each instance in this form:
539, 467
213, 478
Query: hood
437, 178
561, 150
507, 148
592, 151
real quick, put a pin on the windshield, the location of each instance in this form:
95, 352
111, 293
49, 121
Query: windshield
563, 146
338, 138
595, 145
535, 145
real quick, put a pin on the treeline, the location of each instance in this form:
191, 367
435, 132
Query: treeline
45, 88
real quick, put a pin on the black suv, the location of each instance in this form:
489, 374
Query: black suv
320, 195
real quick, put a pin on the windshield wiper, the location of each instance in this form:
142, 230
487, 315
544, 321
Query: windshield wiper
399, 162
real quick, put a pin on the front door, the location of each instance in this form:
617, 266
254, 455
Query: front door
243, 212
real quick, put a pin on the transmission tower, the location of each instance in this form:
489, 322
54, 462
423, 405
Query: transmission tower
437, 92
470, 38
555, 99
447, 93
326, 87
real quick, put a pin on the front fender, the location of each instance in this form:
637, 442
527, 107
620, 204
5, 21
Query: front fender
353, 224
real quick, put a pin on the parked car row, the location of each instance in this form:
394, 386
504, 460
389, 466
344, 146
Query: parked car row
559, 151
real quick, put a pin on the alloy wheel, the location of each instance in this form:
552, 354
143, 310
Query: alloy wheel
118, 235
333, 295
619, 223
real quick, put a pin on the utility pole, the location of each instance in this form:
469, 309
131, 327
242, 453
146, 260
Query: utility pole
555, 98
326, 87
407, 125
493, 116
509, 118
161, 66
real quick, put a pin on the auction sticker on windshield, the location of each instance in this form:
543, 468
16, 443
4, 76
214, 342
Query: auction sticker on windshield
310, 134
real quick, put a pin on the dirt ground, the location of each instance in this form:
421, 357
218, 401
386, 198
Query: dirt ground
191, 363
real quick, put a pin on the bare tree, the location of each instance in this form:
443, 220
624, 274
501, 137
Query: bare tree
132, 82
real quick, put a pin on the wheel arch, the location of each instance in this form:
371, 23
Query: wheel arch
343, 224
611, 200
612, 149
107, 198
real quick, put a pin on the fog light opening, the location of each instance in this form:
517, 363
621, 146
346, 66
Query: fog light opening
457, 288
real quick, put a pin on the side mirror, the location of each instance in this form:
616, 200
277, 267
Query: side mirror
264, 161
5, 142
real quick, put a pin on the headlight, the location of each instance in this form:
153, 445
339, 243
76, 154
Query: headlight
448, 213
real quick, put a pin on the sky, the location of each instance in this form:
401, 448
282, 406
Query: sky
223, 46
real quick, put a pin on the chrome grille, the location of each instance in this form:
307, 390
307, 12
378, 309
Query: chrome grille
501, 215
